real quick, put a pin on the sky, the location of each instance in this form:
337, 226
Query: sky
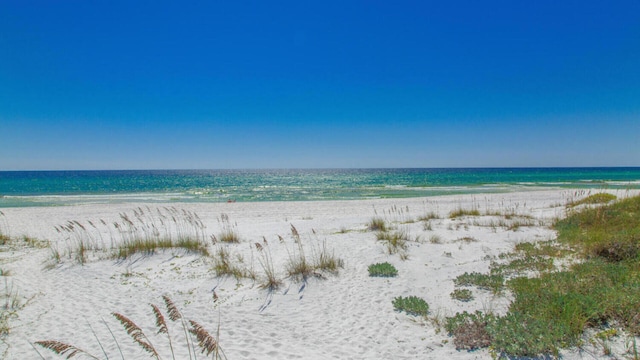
326, 84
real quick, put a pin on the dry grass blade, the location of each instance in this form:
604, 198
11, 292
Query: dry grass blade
207, 343
160, 322
172, 309
136, 334
63, 349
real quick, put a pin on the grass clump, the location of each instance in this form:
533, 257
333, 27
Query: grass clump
229, 233
377, 224
382, 270
395, 241
321, 258
460, 212
225, 265
272, 281
412, 305
326, 260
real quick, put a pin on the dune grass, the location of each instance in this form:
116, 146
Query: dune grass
552, 311
272, 281
196, 338
460, 212
377, 224
598, 198
321, 259
143, 231
395, 241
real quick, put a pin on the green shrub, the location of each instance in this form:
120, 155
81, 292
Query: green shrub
412, 305
470, 331
382, 270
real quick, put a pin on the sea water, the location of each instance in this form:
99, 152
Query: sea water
51, 188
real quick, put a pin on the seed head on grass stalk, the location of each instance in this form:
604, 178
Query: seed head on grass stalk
66, 350
136, 334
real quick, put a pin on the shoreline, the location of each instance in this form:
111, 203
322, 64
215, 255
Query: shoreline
347, 315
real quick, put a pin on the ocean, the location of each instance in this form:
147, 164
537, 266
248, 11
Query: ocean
57, 188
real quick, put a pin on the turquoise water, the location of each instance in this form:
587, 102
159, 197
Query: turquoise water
49, 188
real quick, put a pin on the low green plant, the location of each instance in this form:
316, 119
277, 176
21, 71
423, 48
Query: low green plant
464, 295
412, 305
382, 270
493, 282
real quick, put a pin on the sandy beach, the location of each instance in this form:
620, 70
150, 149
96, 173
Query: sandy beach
342, 315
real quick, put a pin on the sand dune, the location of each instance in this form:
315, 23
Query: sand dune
346, 315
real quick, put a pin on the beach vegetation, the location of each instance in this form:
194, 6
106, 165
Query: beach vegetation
470, 331
11, 302
382, 270
430, 215
460, 212
411, 305
145, 231
600, 287
464, 295
4, 229
593, 199
310, 260
395, 241
224, 264
298, 266
377, 224
493, 282
326, 260
435, 239
271, 281
229, 232
196, 338
466, 239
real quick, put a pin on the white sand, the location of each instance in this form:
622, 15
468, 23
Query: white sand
344, 316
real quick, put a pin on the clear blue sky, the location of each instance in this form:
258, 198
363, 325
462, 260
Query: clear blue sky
299, 84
